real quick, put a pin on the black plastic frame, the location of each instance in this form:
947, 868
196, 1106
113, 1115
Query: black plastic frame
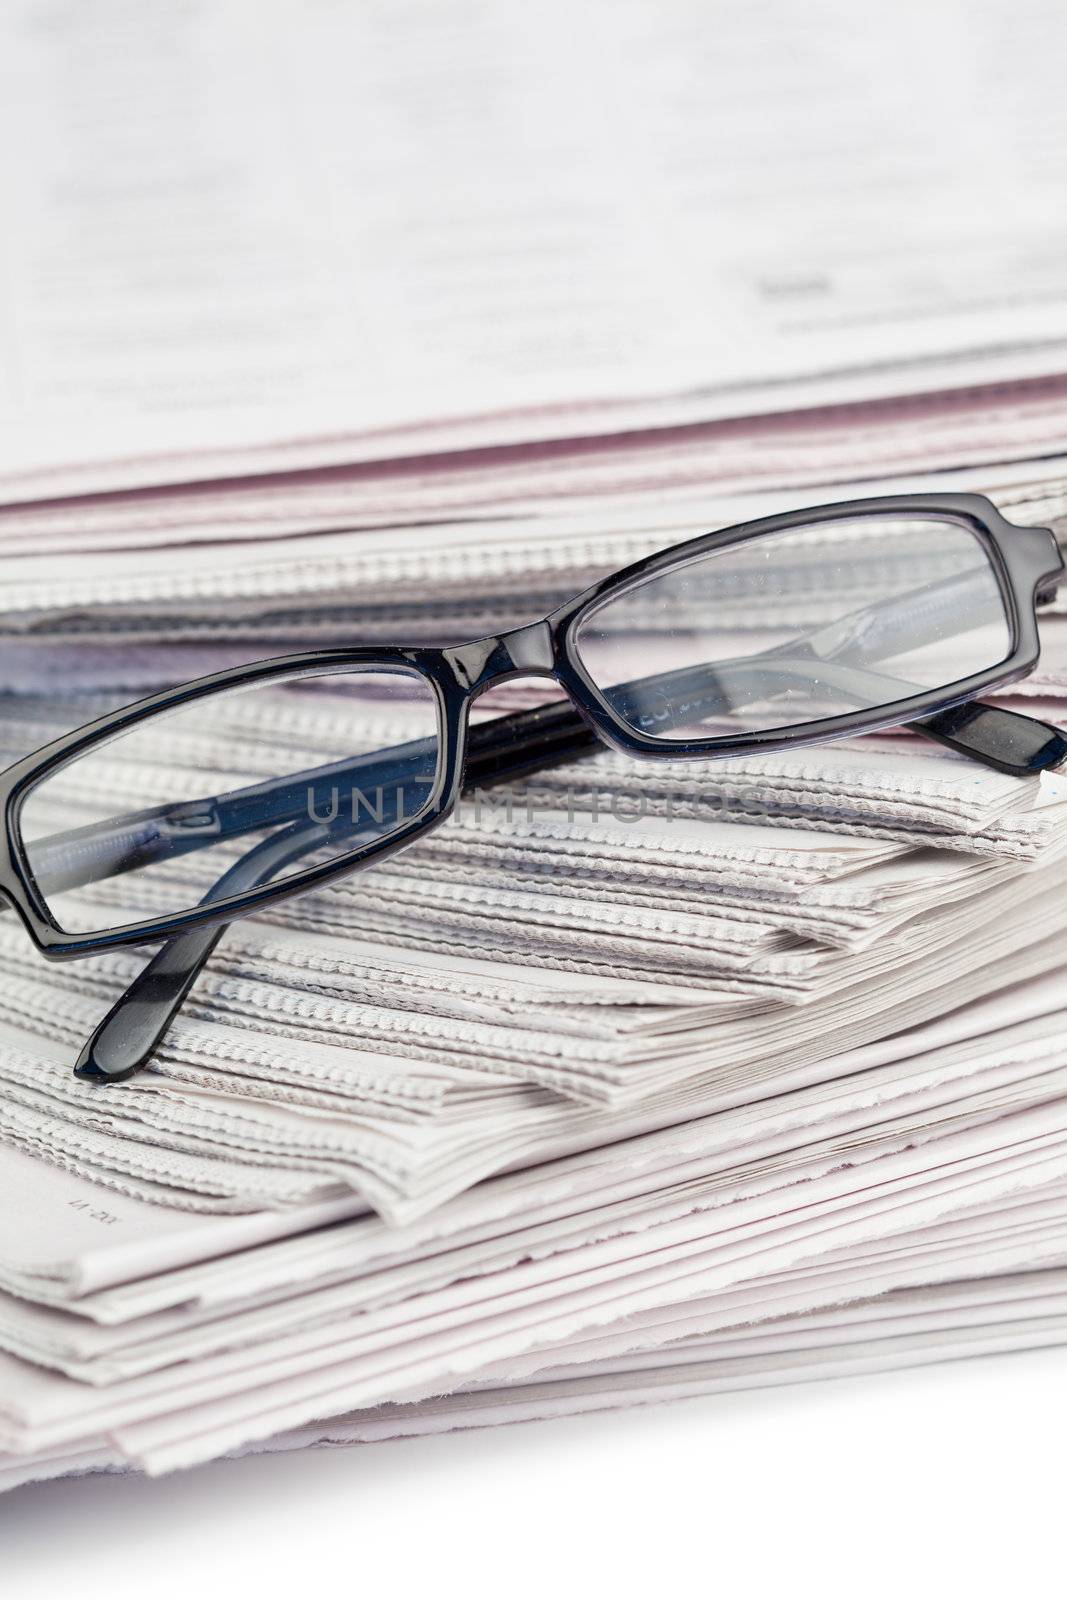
1026, 562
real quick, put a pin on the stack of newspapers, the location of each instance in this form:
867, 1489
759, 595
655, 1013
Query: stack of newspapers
636, 1080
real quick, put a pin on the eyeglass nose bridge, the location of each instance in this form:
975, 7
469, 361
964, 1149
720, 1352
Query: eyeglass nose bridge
527, 650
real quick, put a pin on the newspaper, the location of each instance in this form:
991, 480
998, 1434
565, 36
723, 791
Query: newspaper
202, 282
805, 1010
534, 1114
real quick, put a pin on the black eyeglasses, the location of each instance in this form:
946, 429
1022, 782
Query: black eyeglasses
172, 817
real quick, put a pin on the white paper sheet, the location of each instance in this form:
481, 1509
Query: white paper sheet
233, 225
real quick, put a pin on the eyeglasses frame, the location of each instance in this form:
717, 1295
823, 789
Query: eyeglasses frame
1025, 560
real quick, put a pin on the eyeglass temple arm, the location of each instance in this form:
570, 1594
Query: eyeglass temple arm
138, 1021
499, 751
1005, 740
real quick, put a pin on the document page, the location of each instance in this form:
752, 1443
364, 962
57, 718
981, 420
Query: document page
238, 226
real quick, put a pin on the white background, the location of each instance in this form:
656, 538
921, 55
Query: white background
945, 1480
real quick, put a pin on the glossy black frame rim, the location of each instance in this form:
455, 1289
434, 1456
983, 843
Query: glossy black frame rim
1026, 560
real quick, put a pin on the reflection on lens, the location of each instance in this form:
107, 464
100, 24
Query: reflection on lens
149, 823
789, 628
